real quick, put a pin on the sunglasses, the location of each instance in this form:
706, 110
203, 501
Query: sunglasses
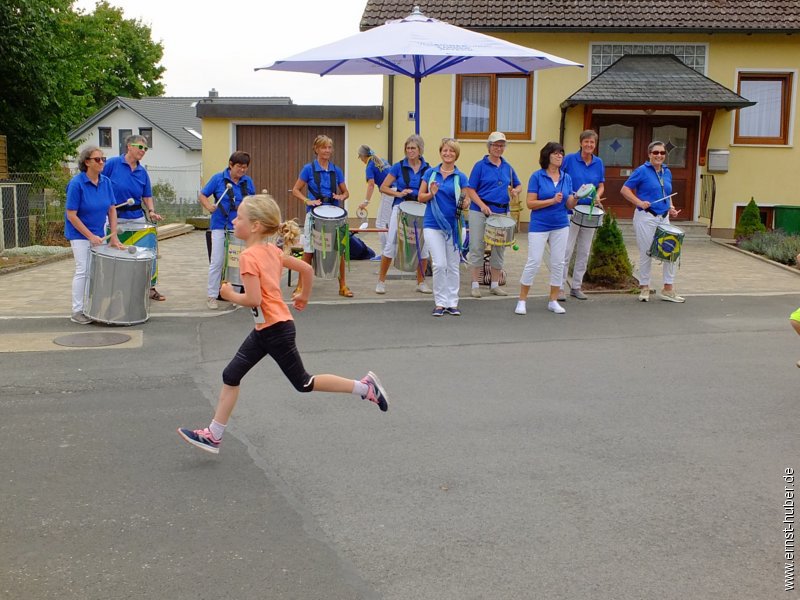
139, 146
659, 152
97, 159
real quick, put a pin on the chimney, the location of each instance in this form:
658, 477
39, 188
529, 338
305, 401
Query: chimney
213, 93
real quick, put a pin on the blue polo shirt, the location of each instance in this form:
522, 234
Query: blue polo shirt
445, 198
373, 172
581, 173
324, 191
128, 183
554, 216
223, 217
649, 185
414, 179
92, 203
491, 183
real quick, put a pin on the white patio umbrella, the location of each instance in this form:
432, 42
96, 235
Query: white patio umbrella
416, 47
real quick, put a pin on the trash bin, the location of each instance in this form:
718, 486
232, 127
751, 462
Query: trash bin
787, 218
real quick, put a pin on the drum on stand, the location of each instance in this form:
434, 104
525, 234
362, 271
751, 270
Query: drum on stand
143, 235
584, 215
667, 243
499, 231
230, 268
118, 285
330, 239
409, 235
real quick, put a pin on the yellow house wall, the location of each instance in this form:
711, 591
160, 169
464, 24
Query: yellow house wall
725, 54
219, 143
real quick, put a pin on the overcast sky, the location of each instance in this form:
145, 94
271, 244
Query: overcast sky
218, 44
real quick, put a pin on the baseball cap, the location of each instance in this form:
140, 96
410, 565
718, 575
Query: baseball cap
497, 136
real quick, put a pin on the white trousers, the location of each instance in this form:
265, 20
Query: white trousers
217, 262
477, 228
383, 217
80, 252
446, 261
536, 243
580, 242
645, 224
390, 248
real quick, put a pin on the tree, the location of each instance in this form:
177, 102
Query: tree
609, 265
53, 73
749, 222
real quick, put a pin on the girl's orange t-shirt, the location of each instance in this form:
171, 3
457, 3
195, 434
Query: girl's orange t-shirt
265, 261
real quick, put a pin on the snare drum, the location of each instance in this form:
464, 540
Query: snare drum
499, 231
584, 215
230, 268
667, 243
330, 239
117, 285
142, 235
410, 216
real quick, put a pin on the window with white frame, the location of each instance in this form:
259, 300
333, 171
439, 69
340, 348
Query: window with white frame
767, 121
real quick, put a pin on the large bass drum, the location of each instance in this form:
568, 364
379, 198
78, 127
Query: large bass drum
331, 237
410, 216
117, 285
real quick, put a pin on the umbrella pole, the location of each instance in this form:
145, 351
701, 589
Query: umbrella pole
416, 105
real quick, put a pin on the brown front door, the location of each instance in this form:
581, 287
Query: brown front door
278, 153
622, 145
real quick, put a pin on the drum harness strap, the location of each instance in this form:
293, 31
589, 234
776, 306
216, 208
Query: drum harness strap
407, 177
232, 199
436, 211
342, 237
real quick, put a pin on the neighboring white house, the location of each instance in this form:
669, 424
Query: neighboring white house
173, 132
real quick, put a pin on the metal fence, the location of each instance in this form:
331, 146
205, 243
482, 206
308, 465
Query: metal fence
32, 204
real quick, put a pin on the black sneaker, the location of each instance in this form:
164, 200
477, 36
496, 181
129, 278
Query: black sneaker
202, 438
453, 310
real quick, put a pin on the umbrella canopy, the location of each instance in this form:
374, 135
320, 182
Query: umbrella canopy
418, 46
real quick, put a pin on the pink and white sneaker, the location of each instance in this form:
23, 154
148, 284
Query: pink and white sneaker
202, 438
376, 393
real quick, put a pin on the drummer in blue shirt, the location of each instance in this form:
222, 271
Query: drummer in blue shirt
649, 189
550, 197
221, 196
403, 183
491, 181
321, 182
584, 168
131, 180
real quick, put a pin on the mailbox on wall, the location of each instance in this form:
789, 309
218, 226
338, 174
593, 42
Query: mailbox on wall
718, 161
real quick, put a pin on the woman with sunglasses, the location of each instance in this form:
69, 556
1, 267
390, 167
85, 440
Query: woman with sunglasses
90, 201
550, 198
649, 188
131, 180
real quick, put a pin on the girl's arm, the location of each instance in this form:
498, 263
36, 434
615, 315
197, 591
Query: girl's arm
306, 274
250, 298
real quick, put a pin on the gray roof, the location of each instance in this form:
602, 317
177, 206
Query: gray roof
741, 16
655, 80
172, 115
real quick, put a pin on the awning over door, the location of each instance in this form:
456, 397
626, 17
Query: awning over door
652, 82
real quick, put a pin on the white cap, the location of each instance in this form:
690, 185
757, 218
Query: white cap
497, 136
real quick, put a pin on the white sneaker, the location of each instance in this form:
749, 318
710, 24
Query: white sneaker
475, 292
671, 296
521, 308
554, 306
380, 288
644, 295
212, 303
423, 288
498, 291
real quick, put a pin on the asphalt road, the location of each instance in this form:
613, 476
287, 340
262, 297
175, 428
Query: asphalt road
621, 451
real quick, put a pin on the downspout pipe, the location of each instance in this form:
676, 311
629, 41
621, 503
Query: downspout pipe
563, 126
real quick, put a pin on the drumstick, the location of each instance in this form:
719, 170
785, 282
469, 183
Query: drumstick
128, 202
664, 198
228, 186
